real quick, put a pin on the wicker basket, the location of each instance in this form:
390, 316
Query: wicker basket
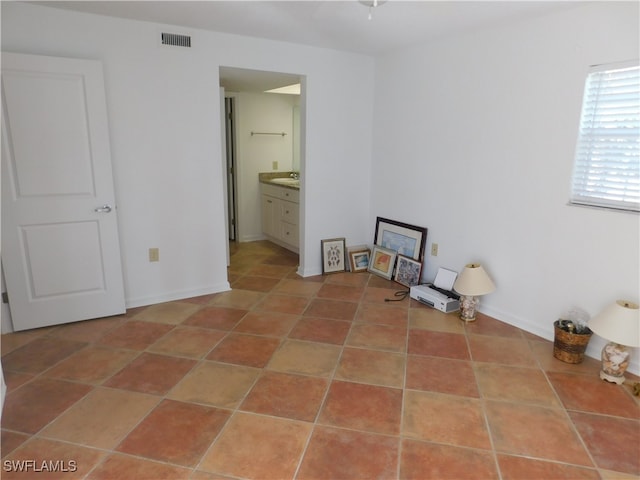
569, 347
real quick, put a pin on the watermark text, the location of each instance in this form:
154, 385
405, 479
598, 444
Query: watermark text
31, 465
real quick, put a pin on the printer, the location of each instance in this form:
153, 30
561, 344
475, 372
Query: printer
438, 294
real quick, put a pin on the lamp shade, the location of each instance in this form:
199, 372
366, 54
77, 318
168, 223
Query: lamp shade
619, 323
473, 281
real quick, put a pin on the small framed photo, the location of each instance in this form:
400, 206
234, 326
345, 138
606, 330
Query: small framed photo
382, 261
333, 255
359, 259
408, 271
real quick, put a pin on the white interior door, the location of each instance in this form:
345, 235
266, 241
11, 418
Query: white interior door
60, 245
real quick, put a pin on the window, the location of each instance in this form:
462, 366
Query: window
607, 163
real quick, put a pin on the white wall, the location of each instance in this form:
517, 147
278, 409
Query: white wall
474, 139
164, 106
260, 112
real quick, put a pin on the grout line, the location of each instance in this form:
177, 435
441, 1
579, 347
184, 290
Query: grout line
401, 435
482, 401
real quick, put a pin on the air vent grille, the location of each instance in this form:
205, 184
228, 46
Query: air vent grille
176, 40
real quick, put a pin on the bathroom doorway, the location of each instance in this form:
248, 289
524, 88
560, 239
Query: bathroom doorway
248, 108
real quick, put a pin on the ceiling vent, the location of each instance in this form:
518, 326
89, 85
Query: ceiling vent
176, 40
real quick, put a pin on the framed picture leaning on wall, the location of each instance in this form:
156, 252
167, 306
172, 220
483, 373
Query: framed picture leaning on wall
405, 239
333, 255
359, 259
382, 261
408, 271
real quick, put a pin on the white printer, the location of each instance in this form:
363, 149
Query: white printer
438, 295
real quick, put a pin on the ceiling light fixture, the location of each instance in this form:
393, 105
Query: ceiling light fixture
372, 4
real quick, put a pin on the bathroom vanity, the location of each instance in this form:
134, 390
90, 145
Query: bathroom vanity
280, 199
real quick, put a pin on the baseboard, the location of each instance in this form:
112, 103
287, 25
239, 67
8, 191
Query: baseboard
309, 272
176, 295
545, 331
251, 238
7, 325
282, 244
522, 323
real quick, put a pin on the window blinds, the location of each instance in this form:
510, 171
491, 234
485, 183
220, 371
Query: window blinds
607, 164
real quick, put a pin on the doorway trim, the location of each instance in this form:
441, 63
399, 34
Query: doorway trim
239, 80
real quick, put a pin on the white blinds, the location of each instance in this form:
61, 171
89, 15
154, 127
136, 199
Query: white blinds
607, 164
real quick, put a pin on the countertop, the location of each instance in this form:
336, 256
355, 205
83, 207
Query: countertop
279, 179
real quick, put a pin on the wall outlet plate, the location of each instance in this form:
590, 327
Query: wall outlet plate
154, 254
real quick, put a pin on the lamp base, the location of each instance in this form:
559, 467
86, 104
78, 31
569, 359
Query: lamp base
611, 378
468, 305
615, 360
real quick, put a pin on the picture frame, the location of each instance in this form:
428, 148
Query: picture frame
382, 261
333, 255
405, 239
408, 271
359, 259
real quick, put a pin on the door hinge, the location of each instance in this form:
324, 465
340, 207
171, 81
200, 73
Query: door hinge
5, 297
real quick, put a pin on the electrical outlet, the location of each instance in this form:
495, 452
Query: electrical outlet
434, 249
154, 254
274, 165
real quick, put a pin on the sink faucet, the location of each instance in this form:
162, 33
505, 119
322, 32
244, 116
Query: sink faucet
295, 175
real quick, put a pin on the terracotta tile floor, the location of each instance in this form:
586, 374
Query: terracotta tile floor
315, 378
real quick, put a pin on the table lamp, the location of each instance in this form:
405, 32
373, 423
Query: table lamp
620, 324
470, 284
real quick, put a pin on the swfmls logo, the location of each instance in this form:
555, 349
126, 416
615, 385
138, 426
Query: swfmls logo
40, 466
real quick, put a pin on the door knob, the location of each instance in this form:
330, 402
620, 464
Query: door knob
103, 209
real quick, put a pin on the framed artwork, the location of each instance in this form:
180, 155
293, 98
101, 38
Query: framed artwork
408, 271
359, 259
333, 255
382, 261
405, 239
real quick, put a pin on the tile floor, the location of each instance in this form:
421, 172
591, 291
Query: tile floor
316, 378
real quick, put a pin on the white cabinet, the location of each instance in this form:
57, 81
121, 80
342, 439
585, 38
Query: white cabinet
270, 216
280, 215
289, 223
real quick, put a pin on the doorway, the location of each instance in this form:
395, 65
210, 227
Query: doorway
248, 109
